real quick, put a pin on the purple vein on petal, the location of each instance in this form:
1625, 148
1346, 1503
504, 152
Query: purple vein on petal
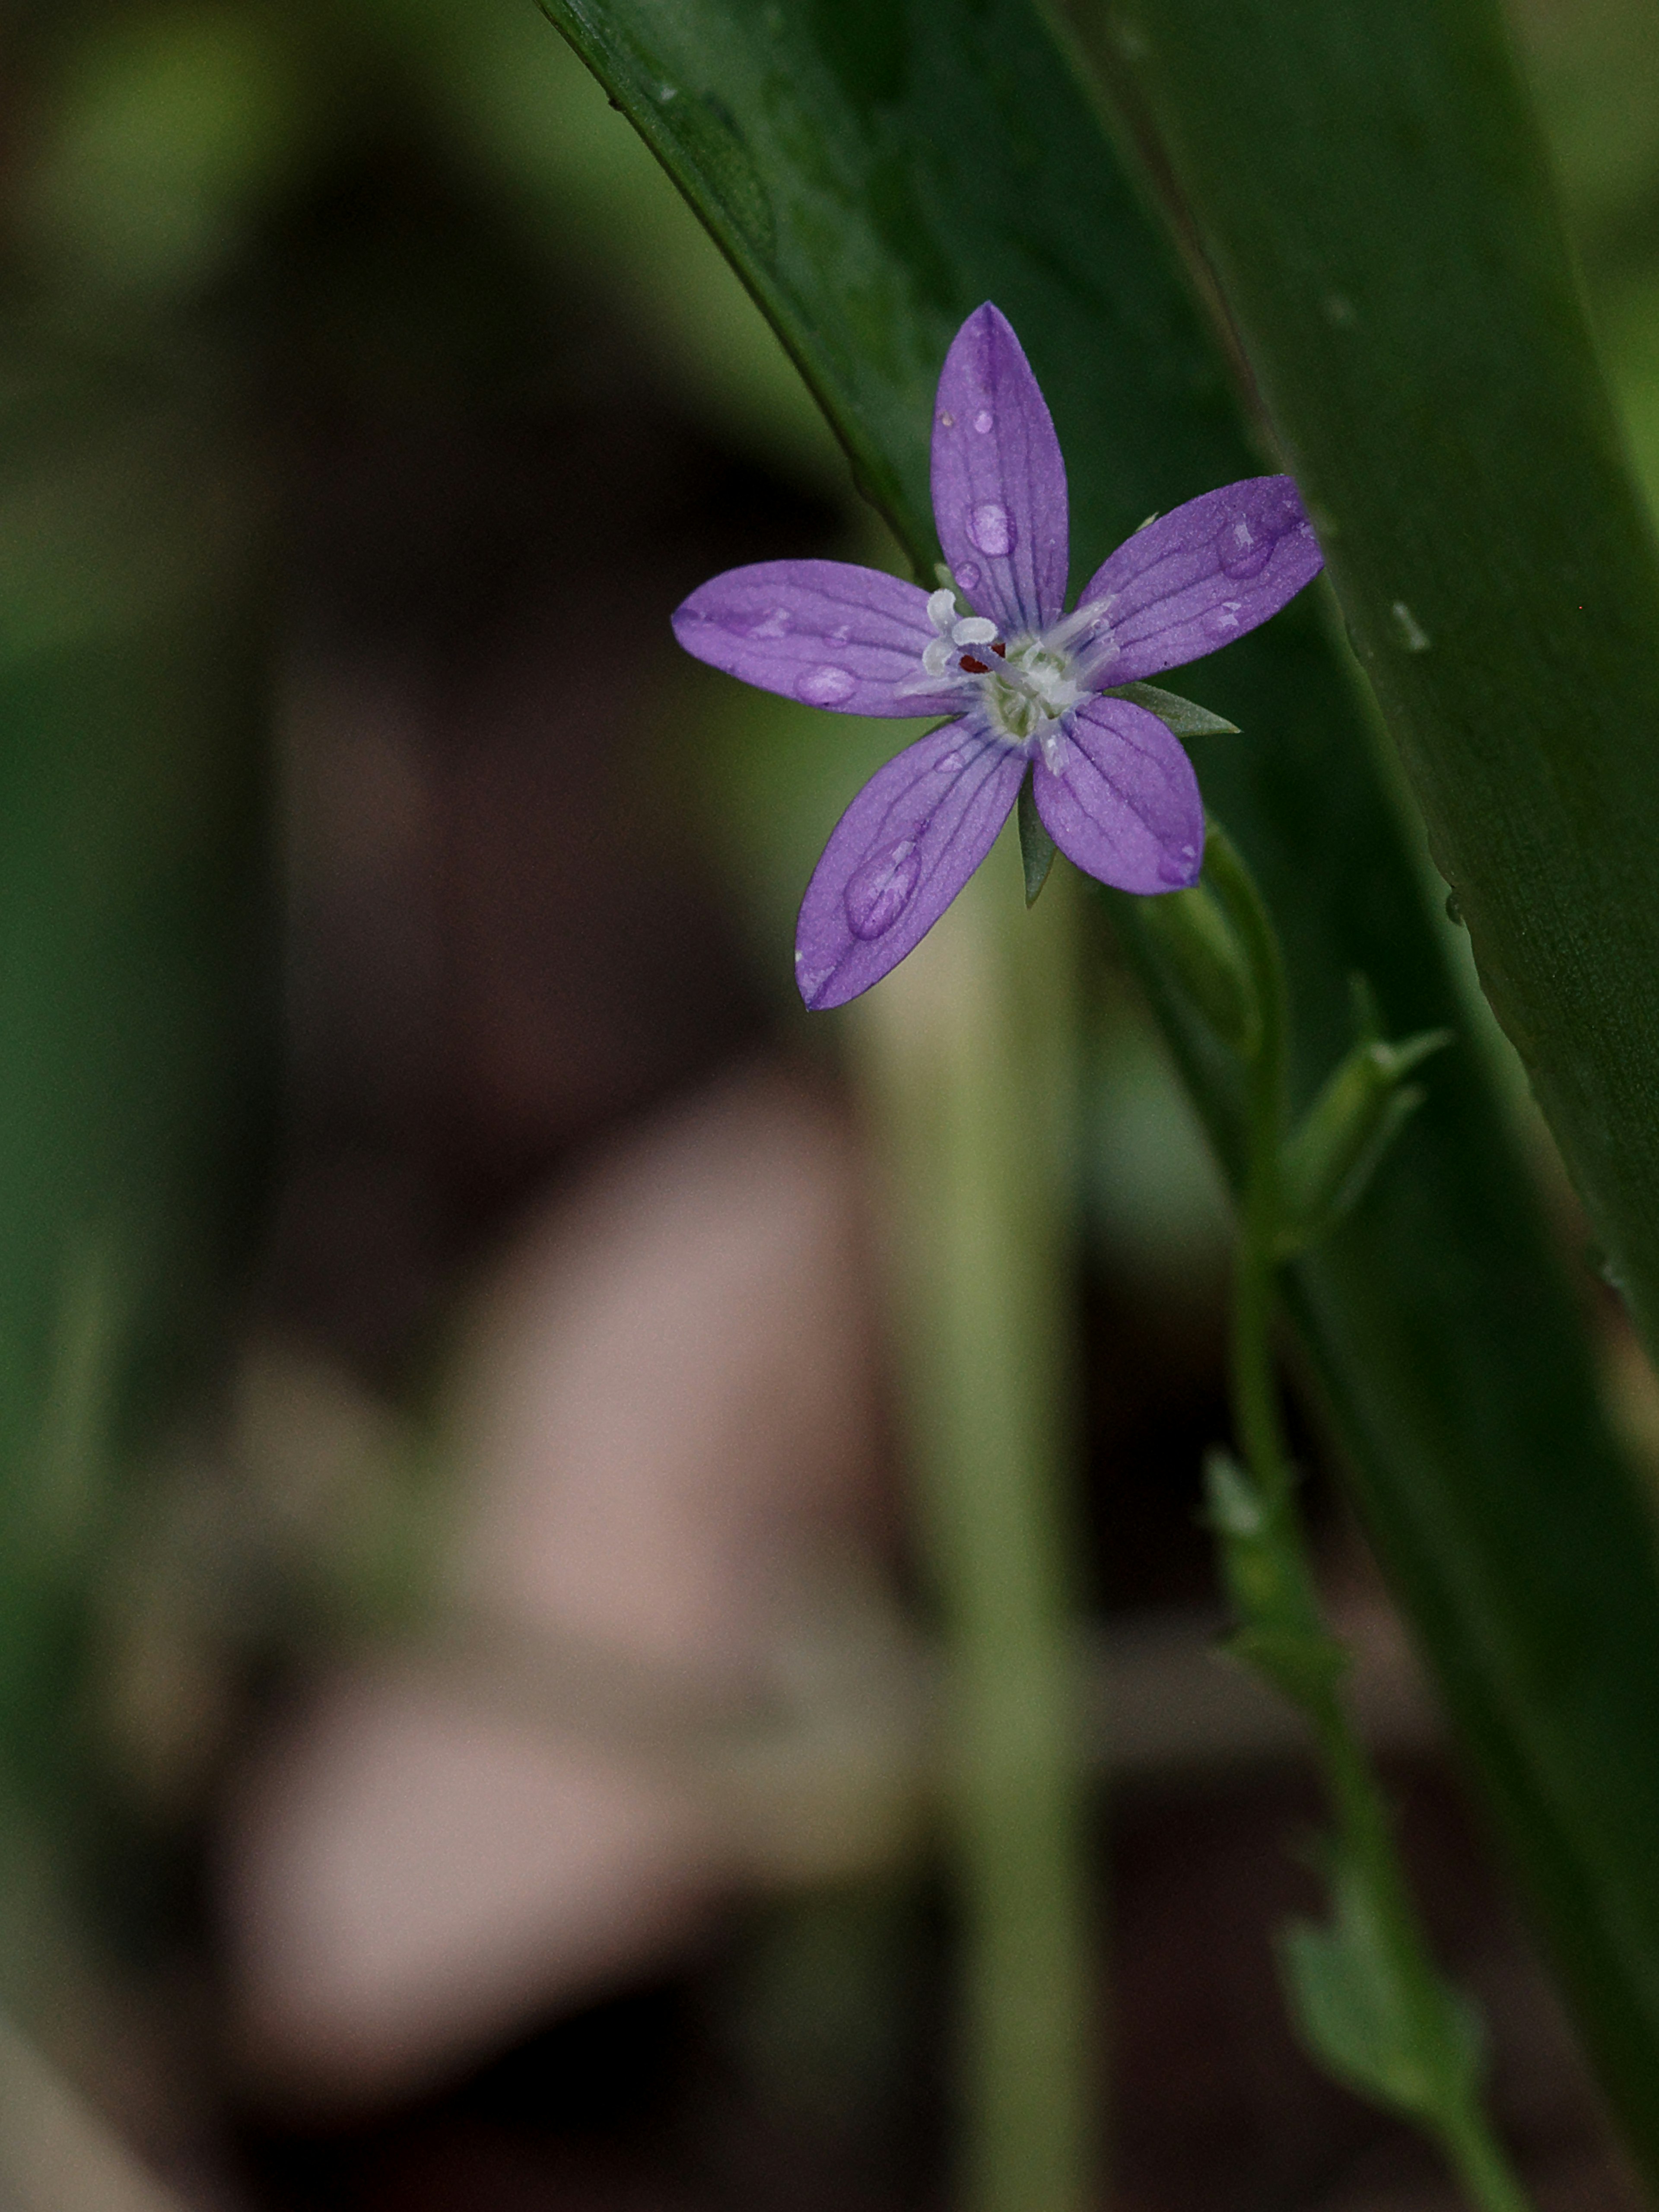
1126, 808
824, 632
998, 478
899, 855
1202, 576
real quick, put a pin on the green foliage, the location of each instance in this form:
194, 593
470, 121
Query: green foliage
1416, 2047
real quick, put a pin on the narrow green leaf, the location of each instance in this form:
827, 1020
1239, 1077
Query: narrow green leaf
1368, 185
917, 157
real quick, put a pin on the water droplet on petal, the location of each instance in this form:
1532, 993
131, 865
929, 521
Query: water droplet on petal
947, 420
967, 577
1243, 551
1244, 543
825, 686
841, 634
983, 421
771, 625
1177, 869
878, 892
990, 528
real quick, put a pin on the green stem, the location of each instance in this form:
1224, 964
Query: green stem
1255, 1396
1459, 2123
970, 1045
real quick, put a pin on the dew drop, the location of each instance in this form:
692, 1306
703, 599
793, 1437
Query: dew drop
1243, 551
1410, 632
947, 419
1176, 868
841, 634
1244, 543
983, 421
878, 892
967, 577
991, 529
825, 686
771, 625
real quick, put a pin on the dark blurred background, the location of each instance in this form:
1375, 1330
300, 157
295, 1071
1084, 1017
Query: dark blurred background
465, 1682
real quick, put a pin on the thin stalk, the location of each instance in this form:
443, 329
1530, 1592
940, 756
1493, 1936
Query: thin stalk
1450, 2110
969, 1045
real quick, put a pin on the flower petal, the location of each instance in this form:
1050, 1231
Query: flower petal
999, 481
821, 631
1125, 807
899, 855
1200, 576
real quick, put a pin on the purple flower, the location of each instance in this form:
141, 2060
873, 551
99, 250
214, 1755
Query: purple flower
1026, 684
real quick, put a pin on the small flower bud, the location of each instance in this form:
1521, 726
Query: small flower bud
1330, 1160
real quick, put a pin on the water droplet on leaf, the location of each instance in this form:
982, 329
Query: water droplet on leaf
878, 892
825, 686
991, 529
1410, 632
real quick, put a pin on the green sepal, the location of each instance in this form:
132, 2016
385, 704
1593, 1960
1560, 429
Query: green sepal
1036, 848
1182, 718
1371, 2011
1328, 1162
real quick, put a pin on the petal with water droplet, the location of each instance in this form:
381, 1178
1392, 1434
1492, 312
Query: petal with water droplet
899, 855
821, 631
1203, 574
999, 491
1126, 808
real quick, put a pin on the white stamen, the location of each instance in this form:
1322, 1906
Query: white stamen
936, 656
941, 612
974, 629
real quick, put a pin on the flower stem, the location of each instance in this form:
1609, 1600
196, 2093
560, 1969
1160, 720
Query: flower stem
1421, 2054
971, 1048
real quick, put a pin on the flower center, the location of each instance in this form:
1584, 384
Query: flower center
1025, 687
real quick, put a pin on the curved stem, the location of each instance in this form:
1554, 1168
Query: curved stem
1449, 2107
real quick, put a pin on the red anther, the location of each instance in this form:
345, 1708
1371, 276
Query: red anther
1000, 650
969, 666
